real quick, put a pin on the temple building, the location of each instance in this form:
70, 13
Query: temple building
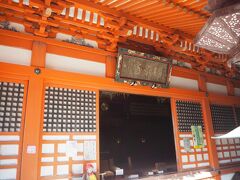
119, 89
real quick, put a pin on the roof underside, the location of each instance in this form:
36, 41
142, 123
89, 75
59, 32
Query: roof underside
187, 16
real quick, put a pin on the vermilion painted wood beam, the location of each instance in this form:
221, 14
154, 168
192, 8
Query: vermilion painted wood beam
174, 18
230, 88
159, 8
101, 83
202, 83
25, 41
140, 6
176, 134
73, 28
128, 4
38, 54
31, 137
98, 8
164, 15
106, 2
223, 99
192, 3
110, 66
73, 25
207, 118
185, 9
53, 46
187, 24
117, 3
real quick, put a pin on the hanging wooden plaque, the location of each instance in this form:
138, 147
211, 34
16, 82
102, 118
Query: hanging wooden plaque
137, 68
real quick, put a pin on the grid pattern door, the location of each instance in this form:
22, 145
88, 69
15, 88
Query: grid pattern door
237, 111
70, 117
225, 118
12, 105
189, 113
69, 110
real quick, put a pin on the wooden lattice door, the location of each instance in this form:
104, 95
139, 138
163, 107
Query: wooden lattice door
70, 116
185, 114
12, 111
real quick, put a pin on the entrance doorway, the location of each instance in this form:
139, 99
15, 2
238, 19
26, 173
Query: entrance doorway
136, 134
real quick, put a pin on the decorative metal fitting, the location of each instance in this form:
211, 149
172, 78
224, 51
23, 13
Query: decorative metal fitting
37, 71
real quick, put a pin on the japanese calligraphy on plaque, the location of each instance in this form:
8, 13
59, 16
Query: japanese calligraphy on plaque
138, 68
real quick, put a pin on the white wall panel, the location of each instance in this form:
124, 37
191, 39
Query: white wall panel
15, 55
77, 169
47, 148
9, 138
216, 88
237, 91
62, 170
63, 37
179, 82
47, 171
8, 173
8, 162
227, 176
7, 150
69, 64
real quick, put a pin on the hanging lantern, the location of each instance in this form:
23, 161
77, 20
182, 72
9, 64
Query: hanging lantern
221, 33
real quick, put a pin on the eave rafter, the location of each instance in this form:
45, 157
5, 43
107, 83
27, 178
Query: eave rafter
108, 27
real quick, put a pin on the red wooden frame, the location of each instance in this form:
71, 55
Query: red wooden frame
36, 84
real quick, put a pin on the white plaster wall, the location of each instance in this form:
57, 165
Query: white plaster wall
216, 88
15, 55
237, 91
63, 37
179, 82
75, 65
8, 173
9, 151
227, 176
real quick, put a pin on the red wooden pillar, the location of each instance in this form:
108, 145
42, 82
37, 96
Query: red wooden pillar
176, 134
38, 54
34, 108
213, 159
209, 133
230, 88
31, 132
202, 83
110, 66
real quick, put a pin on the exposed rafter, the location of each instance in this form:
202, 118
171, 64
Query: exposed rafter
108, 25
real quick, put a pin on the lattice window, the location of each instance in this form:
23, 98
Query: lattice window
11, 103
222, 118
69, 110
189, 113
237, 111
